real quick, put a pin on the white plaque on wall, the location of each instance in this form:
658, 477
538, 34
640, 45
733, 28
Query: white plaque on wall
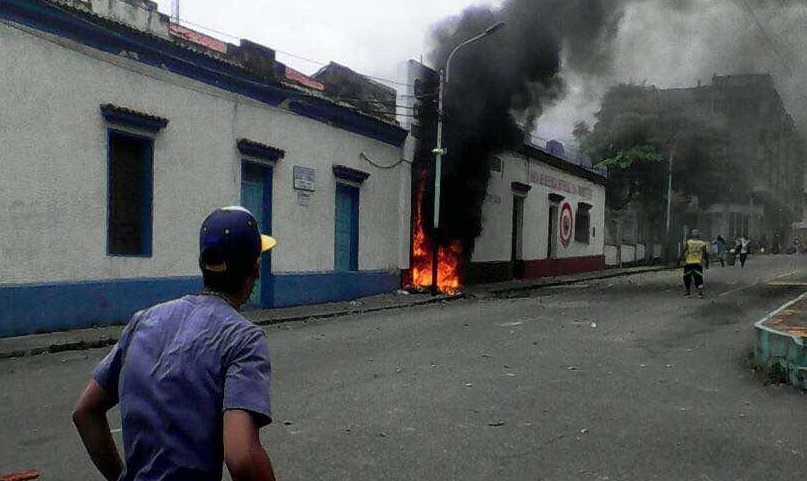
303, 198
304, 178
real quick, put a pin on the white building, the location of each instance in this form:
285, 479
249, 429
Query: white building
544, 212
542, 217
121, 131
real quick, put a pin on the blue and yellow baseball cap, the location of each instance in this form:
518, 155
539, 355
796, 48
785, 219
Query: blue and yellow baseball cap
230, 240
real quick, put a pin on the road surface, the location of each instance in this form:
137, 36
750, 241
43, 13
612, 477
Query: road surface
614, 379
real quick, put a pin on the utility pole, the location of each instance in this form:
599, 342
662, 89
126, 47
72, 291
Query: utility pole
667, 240
175, 10
439, 151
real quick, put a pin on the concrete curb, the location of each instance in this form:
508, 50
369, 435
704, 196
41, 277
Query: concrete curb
604, 274
781, 352
104, 340
359, 310
98, 340
59, 347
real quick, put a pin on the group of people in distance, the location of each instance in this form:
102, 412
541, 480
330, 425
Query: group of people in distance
739, 251
695, 256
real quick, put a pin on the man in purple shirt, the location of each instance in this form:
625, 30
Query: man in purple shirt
191, 375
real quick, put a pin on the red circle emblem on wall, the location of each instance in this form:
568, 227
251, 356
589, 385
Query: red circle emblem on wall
566, 224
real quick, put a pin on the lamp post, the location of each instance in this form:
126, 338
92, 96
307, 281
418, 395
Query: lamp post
439, 151
668, 217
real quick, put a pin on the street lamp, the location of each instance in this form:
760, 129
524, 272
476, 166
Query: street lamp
670, 254
439, 151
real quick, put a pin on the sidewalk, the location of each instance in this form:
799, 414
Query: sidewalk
107, 336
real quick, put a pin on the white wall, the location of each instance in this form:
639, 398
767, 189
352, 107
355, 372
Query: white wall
494, 242
305, 234
55, 179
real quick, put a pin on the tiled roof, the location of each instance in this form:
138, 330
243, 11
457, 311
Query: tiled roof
73, 19
125, 116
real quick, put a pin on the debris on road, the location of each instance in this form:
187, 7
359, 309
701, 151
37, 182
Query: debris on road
20, 475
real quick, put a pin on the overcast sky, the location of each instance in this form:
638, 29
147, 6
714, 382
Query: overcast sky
369, 36
667, 43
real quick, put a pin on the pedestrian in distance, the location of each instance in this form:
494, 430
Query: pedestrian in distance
720, 246
741, 248
695, 256
192, 375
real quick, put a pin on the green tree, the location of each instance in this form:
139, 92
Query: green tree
629, 140
643, 142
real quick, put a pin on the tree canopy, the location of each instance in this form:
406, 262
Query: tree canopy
637, 136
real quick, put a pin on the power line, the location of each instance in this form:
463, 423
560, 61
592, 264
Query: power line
374, 164
175, 15
298, 57
767, 36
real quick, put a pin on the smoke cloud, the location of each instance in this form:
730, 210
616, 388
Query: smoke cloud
555, 59
497, 87
676, 44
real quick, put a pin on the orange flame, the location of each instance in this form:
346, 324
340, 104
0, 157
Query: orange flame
449, 257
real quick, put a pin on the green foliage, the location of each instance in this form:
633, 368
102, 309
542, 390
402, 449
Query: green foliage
624, 159
628, 142
636, 137
776, 373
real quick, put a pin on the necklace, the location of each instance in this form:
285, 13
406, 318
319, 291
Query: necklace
224, 297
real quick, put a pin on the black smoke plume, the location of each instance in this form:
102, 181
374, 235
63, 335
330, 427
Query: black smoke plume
565, 54
498, 86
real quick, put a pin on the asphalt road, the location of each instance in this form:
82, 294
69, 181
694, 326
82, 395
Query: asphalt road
614, 379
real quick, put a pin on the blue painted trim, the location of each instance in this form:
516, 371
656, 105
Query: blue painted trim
131, 118
347, 195
260, 151
117, 39
295, 289
354, 229
349, 119
34, 308
147, 209
350, 174
147, 184
267, 279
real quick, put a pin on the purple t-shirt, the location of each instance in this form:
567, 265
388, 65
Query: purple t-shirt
176, 368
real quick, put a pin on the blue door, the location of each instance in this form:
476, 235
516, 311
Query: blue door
346, 239
256, 195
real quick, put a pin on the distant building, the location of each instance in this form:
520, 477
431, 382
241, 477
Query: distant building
543, 216
345, 85
121, 130
543, 212
763, 147
761, 189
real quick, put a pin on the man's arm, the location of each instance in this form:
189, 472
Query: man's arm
243, 453
89, 416
705, 257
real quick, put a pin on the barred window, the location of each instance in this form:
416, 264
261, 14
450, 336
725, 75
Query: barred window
129, 195
582, 223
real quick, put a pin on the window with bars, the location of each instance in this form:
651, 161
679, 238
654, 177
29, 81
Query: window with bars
582, 223
129, 196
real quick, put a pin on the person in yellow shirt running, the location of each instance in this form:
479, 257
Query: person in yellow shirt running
695, 256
